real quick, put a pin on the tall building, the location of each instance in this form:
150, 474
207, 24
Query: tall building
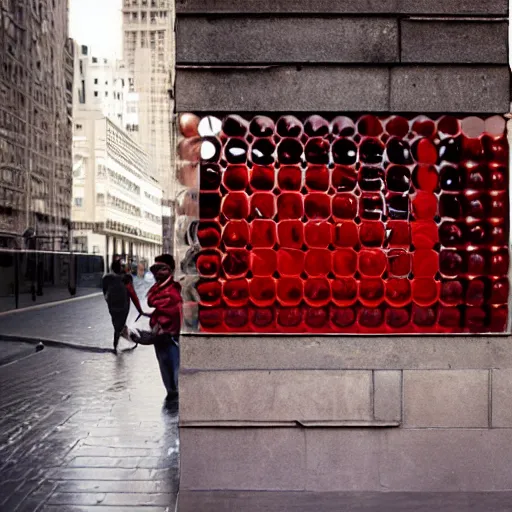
117, 205
149, 56
36, 82
101, 84
117, 202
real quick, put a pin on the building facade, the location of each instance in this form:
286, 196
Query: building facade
148, 48
102, 84
36, 82
362, 137
117, 205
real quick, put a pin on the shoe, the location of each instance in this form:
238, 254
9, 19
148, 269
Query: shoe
172, 396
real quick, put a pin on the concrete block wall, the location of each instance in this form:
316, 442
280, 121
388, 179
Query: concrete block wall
344, 413
429, 414
372, 55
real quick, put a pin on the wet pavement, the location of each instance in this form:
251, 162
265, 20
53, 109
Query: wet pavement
84, 322
86, 432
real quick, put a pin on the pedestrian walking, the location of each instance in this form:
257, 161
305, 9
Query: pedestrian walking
165, 297
118, 291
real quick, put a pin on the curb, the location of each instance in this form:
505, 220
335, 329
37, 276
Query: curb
19, 357
45, 305
54, 343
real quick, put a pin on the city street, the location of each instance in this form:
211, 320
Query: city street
79, 430
84, 322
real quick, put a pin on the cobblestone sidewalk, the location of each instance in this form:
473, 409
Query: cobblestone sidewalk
86, 432
83, 322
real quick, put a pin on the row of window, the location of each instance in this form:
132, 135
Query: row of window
122, 148
153, 16
123, 206
153, 218
153, 198
11, 198
117, 96
147, 3
132, 230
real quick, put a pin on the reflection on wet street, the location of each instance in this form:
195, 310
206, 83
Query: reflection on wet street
83, 431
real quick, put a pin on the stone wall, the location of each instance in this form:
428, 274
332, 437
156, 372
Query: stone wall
344, 413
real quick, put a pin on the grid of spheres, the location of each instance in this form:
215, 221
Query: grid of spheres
338, 224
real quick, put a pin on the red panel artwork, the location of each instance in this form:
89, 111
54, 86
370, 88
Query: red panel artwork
368, 224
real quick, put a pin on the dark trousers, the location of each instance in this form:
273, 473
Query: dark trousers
118, 321
167, 351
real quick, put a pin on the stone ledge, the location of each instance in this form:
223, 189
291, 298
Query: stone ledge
215, 501
484, 89
448, 89
288, 424
286, 88
448, 7
446, 398
276, 396
424, 460
350, 353
457, 42
284, 40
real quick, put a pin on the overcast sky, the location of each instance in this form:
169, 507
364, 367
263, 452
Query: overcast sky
97, 23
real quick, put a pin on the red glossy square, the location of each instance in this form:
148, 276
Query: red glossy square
290, 262
263, 233
236, 233
372, 233
262, 177
425, 263
289, 178
398, 233
318, 262
317, 206
235, 205
346, 234
290, 205
263, 205
291, 234
318, 234
425, 234
344, 207
263, 262
263, 291
317, 178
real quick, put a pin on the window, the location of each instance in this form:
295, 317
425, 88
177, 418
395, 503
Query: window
78, 126
106, 93
94, 60
79, 201
95, 94
95, 81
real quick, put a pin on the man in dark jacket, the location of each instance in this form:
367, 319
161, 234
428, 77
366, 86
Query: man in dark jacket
165, 297
118, 291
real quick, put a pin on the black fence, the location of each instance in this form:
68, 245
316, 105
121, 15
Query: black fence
28, 278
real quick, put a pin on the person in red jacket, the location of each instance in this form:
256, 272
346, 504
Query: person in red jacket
165, 297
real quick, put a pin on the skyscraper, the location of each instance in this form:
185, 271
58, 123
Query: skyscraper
36, 82
148, 54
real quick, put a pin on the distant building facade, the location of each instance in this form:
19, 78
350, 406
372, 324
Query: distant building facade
149, 56
36, 83
117, 205
101, 84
